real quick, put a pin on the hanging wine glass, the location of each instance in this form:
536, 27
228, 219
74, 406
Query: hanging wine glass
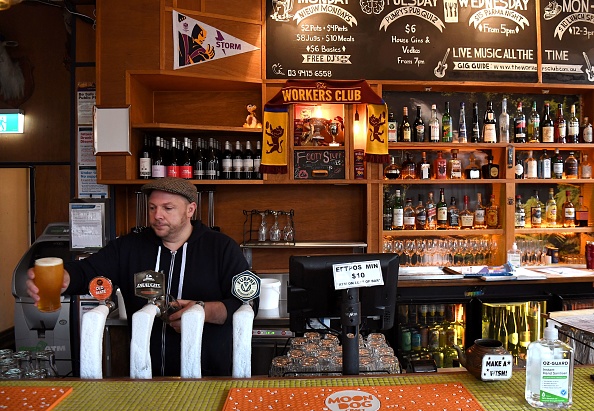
263, 229
275, 231
288, 231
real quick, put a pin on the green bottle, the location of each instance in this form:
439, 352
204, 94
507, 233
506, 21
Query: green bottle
446, 125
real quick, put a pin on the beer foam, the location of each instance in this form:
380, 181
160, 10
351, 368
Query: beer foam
48, 261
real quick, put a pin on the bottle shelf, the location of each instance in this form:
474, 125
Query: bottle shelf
173, 128
553, 181
400, 181
444, 146
303, 244
548, 230
439, 233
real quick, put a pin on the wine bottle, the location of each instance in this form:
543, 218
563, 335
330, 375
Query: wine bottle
258, 160
533, 129
144, 159
248, 162
186, 168
158, 168
212, 164
489, 125
199, 157
503, 335
513, 338
573, 127
560, 126
173, 164
227, 162
519, 125
523, 332
446, 125
237, 161
548, 125
419, 127
387, 211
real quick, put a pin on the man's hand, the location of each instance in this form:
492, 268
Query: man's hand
175, 318
215, 312
32, 289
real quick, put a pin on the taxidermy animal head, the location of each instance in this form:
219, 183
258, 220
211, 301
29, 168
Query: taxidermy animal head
12, 82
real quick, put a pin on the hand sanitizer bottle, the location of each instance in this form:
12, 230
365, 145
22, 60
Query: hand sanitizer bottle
549, 371
514, 256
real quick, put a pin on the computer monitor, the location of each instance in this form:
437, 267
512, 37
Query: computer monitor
311, 293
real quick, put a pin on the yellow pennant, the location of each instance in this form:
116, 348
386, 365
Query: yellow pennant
275, 140
377, 133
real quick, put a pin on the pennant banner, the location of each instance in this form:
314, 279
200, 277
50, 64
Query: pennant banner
197, 42
274, 147
377, 134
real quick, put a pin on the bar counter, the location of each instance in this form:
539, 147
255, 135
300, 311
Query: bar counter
210, 394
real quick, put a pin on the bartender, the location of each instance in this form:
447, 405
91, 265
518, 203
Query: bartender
198, 266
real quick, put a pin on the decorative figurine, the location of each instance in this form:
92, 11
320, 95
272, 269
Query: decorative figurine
251, 121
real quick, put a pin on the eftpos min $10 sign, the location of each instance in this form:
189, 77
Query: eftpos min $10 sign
357, 274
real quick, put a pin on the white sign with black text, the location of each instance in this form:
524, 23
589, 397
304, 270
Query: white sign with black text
357, 274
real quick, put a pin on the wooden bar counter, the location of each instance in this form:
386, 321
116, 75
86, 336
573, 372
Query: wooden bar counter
210, 394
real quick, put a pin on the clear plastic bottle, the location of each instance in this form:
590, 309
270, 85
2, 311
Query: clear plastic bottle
549, 371
514, 256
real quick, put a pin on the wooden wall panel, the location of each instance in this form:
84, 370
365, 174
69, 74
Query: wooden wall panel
240, 9
52, 192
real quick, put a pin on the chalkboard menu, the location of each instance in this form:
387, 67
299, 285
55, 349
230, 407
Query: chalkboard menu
567, 41
459, 40
319, 164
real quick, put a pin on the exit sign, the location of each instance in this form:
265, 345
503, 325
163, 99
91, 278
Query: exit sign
12, 121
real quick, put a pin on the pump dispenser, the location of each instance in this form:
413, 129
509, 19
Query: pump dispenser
514, 256
549, 371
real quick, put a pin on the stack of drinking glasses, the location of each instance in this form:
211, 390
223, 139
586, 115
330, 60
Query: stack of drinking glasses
27, 364
321, 354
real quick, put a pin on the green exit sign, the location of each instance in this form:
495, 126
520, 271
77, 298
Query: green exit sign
12, 121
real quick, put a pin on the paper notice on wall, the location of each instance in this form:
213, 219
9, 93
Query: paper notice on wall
84, 108
85, 147
87, 183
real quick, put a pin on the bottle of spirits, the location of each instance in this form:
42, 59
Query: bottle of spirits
519, 125
504, 123
158, 168
173, 164
480, 213
585, 167
571, 167
431, 212
536, 212
558, 165
145, 162
440, 167
547, 125
472, 171
581, 213
475, 136
489, 125
560, 126
573, 126
199, 156
409, 167
424, 169
454, 166
186, 168
568, 211
446, 125
551, 209
419, 127
545, 165
248, 162
586, 131
531, 170
392, 171
533, 128
392, 128
434, 128
420, 214
405, 129
462, 132
490, 170
453, 215
493, 214
237, 161
520, 213
397, 212
519, 168
388, 213
409, 215
258, 160
466, 216
442, 211
227, 162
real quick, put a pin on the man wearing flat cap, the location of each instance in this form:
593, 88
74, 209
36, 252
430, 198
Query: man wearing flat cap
198, 265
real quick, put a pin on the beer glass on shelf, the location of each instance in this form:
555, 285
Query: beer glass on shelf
288, 230
409, 250
49, 276
421, 245
275, 231
263, 229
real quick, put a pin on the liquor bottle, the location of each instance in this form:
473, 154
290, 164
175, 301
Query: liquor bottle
531, 170
586, 131
145, 163
158, 168
533, 128
453, 214
504, 123
466, 216
536, 212
585, 167
446, 125
519, 168
392, 128
551, 209
519, 214
397, 212
408, 215
523, 332
424, 169
560, 126
568, 211
431, 212
475, 136
237, 161
442, 211
405, 131
454, 166
513, 338
462, 135
440, 167
420, 214
419, 127
172, 167
258, 161
212, 163
581, 213
573, 127
472, 171
480, 213
388, 213
434, 129
490, 170
409, 168
489, 125
248, 162
227, 162
547, 125
558, 165
519, 125
186, 168
392, 171
571, 166
493, 214
545, 166
502, 336
199, 158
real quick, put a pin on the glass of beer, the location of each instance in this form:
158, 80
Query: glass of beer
49, 276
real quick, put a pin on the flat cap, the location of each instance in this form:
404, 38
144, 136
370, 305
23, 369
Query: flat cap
172, 185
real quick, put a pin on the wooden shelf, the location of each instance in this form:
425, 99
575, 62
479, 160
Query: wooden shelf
193, 127
441, 233
547, 230
175, 80
445, 146
553, 181
400, 181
